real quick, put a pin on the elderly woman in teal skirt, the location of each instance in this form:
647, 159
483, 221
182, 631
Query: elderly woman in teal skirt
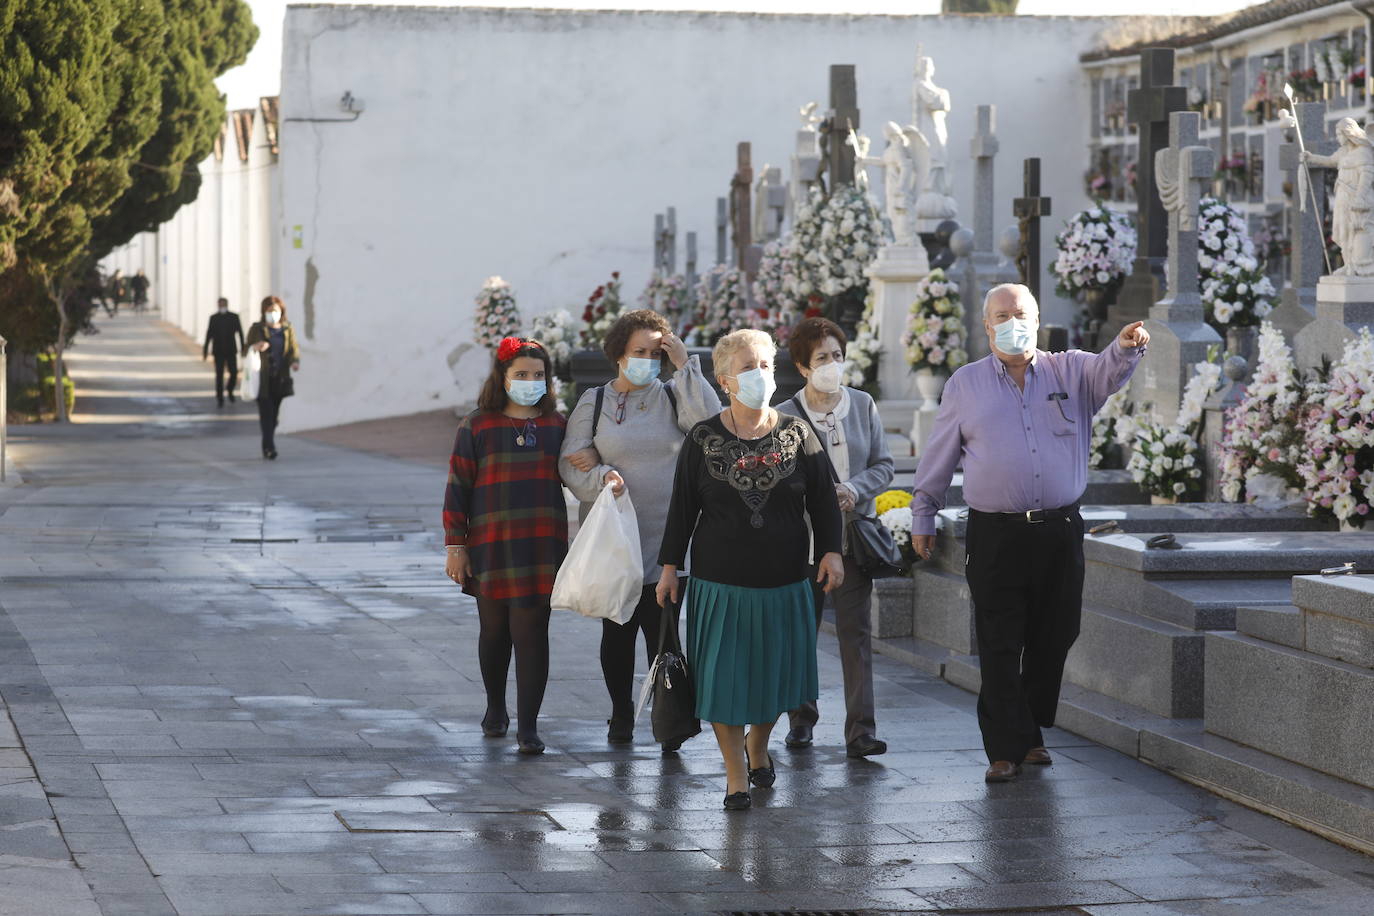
747, 481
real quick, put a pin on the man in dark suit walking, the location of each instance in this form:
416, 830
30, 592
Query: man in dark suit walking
224, 328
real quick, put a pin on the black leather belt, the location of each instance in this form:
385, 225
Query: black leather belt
1029, 517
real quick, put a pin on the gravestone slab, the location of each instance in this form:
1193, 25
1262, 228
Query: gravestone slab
1338, 617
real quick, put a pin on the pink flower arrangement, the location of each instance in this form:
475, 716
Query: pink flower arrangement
1261, 435
1337, 462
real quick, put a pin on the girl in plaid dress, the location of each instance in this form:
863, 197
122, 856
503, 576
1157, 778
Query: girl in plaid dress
506, 529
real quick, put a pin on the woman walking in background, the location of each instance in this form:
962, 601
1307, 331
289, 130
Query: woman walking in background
627, 433
506, 529
846, 421
746, 482
275, 340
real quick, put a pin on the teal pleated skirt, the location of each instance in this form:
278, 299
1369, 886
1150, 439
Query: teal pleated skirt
752, 651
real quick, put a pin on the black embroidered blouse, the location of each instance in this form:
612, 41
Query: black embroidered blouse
743, 503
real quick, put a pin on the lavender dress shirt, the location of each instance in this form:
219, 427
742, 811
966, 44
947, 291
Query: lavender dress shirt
1021, 450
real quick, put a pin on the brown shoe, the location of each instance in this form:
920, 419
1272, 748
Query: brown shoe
1038, 756
1002, 771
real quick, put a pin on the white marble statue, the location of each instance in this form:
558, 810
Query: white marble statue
900, 180
809, 118
1352, 213
930, 105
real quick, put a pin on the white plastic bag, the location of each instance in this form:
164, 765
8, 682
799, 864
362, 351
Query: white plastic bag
252, 376
603, 573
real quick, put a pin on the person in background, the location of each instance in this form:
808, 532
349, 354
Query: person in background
138, 287
118, 289
747, 480
506, 529
275, 339
847, 422
627, 433
1020, 422
224, 336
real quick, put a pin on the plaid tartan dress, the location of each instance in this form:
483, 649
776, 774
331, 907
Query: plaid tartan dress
505, 502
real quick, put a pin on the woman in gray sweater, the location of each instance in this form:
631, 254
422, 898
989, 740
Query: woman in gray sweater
628, 433
850, 429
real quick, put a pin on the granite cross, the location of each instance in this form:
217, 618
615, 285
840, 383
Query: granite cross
747, 254
658, 241
1028, 209
722, 221
691, 260
670, 242
842, 118
1182, 172
984, 147
1306, 206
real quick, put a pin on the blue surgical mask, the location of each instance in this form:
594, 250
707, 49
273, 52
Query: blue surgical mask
756, 388
1014, 336
641, 371
526, 392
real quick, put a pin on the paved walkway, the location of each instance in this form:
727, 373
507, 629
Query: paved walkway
247, 689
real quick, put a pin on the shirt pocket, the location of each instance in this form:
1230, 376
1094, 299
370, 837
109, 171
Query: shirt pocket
1060, 414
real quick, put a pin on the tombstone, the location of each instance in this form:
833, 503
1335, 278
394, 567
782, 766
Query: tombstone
1028, 209
770, 205
722, 222
1179, 335
691, 276
670, 242
660, 233
842, 118
1149, 108
745, 253
1298, 301
983, 148
1234, 372
806, 162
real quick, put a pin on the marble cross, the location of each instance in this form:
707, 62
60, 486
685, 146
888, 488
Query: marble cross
1028, 209
1182, 172
842, 118
984, 147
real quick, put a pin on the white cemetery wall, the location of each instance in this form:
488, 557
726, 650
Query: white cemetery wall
221, 244
537, 144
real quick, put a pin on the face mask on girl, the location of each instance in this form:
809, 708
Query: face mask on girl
526, 392
756, 388
641, 371
826, 379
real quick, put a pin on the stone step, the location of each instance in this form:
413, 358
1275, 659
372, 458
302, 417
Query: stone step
1280, 624
1133, 659
1303, 707
1200, 604
1105, 488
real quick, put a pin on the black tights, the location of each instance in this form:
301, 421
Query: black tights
618, 648
526, 629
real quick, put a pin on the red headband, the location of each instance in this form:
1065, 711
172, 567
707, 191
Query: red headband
509, 346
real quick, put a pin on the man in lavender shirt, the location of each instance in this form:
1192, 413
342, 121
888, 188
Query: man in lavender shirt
1020, 422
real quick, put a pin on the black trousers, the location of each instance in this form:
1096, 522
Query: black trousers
618, 647
269, 406
226, 362
854, 631
1026, 580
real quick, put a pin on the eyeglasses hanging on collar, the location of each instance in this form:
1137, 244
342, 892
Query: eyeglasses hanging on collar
832, 427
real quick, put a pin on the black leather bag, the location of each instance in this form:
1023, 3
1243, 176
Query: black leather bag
675, 700
872, 548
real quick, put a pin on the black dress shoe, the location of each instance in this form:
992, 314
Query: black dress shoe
672, 747
621, 731
763, 777
738, 801
495, 728
530, 746
798, 737
865, 746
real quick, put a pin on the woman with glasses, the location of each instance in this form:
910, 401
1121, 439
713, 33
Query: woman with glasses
747, 481
506, 529
627, 434
852, 432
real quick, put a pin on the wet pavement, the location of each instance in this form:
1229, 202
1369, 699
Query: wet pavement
246, 688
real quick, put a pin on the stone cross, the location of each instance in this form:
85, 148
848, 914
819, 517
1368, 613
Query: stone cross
806, 165
1028, 209
722, 221
984, 147
746, 254
842, 117
1148, 108
691, 260
670, 242
660, 231
1298, 301
770, 205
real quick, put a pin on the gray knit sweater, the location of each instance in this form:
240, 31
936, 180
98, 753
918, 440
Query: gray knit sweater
870, 460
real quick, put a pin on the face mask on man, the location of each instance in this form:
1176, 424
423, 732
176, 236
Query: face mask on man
526, 392
756, 388
826, 379
223, 309
273, 316
1013, 336
641, 371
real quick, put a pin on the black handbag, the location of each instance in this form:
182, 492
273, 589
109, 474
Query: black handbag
868, 543
675, 702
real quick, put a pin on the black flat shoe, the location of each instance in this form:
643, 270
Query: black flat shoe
272, 454
530, 746
672, 747
621, 731
491, 728
798, 737
738, 801
865, 746
763, 777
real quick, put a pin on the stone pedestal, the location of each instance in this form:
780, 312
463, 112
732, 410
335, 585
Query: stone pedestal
894, 275
1344, 306
1176, 346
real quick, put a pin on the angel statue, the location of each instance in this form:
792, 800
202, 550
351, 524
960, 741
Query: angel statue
901, 174
808, 115
1352, 214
